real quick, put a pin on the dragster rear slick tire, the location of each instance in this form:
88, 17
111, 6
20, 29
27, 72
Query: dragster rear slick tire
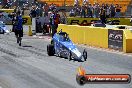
85, 55
50, 50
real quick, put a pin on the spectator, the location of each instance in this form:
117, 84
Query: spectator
105, 6
23, 9
46, 9
95, 10
52, 23
103, 16
78, 11
112, 10
33, 12
72, 12
57, 20
37, 11
90, 10
63, 18
98, 10
83, 11
118, 10
107, 12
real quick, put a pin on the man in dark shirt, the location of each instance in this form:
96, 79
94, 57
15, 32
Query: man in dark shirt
33, 13
19, 28
103, 16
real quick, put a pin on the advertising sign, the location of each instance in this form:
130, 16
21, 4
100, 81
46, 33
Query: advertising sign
7, 18
115, 39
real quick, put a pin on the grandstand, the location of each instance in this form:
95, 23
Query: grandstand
122, 3
59, 2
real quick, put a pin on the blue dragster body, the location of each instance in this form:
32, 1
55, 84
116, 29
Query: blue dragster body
63, 46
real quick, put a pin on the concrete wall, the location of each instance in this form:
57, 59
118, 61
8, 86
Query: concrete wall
96, 36
86, 35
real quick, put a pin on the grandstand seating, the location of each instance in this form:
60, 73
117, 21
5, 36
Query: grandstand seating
122, 3
59, 2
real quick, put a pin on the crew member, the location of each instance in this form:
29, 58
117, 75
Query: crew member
19, 28
57, 20
52, 23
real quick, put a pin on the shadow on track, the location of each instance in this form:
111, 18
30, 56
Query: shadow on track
26, 46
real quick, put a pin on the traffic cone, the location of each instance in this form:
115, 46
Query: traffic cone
30, 31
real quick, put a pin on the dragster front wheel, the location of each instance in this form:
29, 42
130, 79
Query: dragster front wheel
85, 55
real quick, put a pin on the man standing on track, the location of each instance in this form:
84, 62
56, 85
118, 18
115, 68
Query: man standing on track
57, 20
19, 28
54, 21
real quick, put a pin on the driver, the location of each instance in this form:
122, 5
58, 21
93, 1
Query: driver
66, 38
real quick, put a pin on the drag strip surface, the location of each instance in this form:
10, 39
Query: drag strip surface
29, 66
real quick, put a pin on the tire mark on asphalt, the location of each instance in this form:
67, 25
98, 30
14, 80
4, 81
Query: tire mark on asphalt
34, 52
40, 54
29, 50
8, 52
38, 74
20, 73
32, 46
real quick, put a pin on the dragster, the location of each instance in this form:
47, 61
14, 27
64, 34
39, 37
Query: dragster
62, 46
3, 28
